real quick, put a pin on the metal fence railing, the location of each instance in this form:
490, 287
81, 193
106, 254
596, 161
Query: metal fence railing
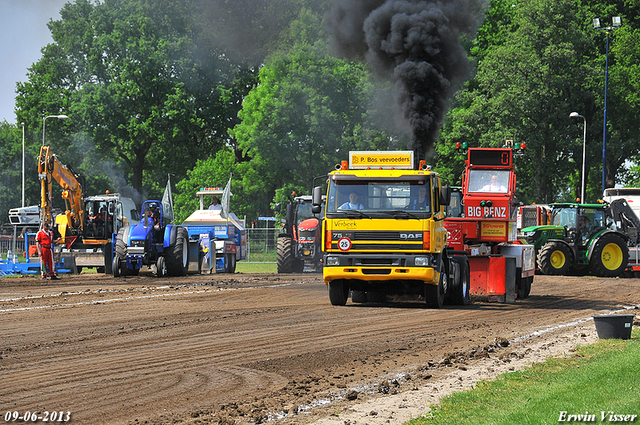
262, 244
17, 247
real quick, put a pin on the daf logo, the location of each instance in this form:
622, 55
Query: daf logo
410, 236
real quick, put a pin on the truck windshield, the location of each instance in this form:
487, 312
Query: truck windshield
304, 211
494, 181
564, 217
380, 197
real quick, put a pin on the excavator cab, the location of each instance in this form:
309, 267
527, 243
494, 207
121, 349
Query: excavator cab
98, 219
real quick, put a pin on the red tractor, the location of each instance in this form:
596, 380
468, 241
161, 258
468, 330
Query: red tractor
299, 244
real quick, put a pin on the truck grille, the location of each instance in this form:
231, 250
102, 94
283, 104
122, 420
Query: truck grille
378, 236
380, 241
376, 271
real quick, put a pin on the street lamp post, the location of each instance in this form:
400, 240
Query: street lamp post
62, 117
584, 150
617, 22
23, 165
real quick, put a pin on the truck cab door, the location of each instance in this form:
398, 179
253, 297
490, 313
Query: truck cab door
118, 217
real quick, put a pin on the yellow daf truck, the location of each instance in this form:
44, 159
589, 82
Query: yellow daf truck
383, 232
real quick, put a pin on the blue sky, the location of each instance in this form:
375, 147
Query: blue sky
23, 31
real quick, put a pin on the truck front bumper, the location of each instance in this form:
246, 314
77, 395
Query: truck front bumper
423, 274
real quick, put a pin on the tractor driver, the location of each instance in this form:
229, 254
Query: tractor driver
154, 213
495, 185
584, 226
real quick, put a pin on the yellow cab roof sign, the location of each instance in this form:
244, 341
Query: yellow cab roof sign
381, 159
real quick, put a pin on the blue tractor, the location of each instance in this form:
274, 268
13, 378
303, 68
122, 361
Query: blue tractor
151, 243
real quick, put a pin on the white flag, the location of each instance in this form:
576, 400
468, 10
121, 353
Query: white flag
167, 202
226, 197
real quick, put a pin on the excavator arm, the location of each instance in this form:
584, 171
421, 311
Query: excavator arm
50, 169
626, 220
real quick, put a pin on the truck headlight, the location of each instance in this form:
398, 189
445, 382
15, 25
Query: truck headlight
333, 261
422, 261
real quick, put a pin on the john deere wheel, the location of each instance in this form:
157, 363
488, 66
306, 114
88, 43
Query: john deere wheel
610, 256
555, 258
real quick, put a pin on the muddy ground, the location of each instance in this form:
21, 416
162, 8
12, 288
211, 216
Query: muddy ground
257, 348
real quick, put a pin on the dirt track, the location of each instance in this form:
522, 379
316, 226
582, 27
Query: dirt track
250, 348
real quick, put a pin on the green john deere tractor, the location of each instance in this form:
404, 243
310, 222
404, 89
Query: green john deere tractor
585, 238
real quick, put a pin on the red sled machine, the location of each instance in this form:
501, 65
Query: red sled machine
485, 230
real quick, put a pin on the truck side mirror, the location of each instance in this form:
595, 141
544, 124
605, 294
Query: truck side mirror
445, 195
277, 207
316, 200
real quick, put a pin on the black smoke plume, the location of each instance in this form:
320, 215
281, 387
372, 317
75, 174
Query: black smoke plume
415, 44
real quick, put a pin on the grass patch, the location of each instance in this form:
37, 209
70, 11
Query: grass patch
261, 257
247, 267
602, 377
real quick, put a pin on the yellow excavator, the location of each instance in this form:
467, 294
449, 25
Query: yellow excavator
87, 224
70, 223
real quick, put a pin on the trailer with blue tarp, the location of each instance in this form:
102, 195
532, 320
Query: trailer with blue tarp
215, 231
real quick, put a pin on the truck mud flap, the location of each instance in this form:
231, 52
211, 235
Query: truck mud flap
493, 278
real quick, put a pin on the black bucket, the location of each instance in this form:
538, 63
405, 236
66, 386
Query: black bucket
614, 326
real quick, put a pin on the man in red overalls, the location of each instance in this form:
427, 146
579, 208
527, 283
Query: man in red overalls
44, 243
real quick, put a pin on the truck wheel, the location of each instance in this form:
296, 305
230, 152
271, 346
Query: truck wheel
121, 247
610, 256
434, 294
376, 297
285, 254
115, 266
230, 263
358, 297
338, 292
161, 267
459, 293
523, 286
527, 290
177, 256
555, 258
120, 252
298, 266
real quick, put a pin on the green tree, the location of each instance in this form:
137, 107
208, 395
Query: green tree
210, 172
10, 169
135, 82
299, 121
623, 100
524, 89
